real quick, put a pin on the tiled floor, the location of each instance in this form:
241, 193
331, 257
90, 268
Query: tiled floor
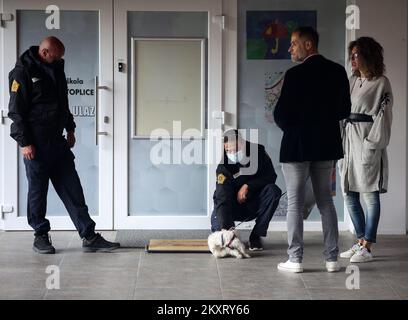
133, 274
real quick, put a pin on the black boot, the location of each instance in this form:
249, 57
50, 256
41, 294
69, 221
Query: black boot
42, 244
98, 243
255, 242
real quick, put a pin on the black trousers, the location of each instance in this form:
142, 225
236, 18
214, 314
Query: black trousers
54, 161
261, 207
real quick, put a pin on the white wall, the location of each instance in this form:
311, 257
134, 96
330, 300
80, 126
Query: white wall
386, 21
1, 106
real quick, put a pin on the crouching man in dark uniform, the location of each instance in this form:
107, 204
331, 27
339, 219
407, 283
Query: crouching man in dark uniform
246, 188
39, 110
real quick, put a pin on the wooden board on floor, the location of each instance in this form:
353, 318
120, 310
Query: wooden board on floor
179, 245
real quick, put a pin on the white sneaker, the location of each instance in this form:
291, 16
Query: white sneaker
363, 255
289, 266
350, 252
333, 266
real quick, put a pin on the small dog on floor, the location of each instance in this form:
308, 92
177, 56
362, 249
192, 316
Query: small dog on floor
226, 243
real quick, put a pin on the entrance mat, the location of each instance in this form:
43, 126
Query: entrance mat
178, 246
137, 238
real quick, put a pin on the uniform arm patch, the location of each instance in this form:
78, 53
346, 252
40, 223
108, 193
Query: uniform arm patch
221, 178
14, 86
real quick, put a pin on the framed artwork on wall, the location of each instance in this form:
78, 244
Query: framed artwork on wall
268, 32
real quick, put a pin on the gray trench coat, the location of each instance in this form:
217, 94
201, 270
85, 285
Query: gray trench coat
364, 167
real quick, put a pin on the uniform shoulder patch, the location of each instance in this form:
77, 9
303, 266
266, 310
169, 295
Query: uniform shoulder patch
14, 86
221, 178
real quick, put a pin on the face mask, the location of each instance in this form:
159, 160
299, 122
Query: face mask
235, 157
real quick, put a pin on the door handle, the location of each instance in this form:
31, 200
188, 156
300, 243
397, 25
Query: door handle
3, 115
97, 132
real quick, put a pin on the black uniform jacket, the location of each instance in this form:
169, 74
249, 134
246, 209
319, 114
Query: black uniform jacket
262, 174
38, 100
315, 96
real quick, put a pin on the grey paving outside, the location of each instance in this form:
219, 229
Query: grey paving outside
131, 273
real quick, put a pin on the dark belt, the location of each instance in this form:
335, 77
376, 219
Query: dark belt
359, 117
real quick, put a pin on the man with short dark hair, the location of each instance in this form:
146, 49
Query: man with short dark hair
39, 109
315, 96
246, 188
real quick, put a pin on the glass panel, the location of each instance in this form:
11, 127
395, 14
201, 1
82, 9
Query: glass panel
165, 189
81, 67
259, 75
177, 68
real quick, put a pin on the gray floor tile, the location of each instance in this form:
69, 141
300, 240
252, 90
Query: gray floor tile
400, 290
398, 280
115, 259
22, 281
173, 278
29, 262
338, 280
237, 265
98, 278
179, 258
133, 274
392, 267
264, 274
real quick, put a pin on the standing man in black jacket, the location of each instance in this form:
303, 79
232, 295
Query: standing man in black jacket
315, 96
246, 188
39, 109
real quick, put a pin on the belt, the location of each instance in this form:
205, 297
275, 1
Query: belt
359, 117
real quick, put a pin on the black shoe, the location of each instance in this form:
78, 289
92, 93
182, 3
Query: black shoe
98, 243
42, 244
255, 243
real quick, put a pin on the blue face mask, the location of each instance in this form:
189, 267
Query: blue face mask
235, 157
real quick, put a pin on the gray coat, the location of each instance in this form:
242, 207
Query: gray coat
364, 167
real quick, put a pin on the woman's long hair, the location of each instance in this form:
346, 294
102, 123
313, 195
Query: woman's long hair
370, 55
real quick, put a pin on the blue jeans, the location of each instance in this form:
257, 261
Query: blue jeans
366, 227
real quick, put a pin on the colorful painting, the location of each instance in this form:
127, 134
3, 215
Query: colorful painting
269, 32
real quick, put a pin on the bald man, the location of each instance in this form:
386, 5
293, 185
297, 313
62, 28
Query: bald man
39, 109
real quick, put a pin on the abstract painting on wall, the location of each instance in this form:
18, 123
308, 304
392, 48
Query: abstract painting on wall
268, 32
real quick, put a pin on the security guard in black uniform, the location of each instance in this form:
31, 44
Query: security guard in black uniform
40, 112
246, 188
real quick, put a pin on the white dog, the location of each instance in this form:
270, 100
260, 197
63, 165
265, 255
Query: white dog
226, 243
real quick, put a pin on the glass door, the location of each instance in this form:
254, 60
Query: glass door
168, 79
85, 28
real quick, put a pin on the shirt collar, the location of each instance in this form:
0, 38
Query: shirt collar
312, 55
